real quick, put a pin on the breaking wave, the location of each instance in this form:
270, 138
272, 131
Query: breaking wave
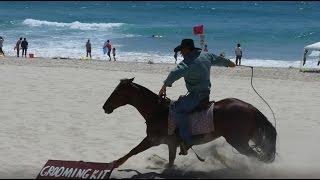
73, 25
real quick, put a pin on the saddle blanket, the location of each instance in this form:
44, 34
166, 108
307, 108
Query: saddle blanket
200, 122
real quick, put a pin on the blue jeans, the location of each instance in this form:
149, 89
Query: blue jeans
182, 107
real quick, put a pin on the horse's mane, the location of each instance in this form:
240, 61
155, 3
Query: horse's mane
161, 110
152, 95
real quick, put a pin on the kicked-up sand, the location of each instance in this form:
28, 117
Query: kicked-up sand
52, 109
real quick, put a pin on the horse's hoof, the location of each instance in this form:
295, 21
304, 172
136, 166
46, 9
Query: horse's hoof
184, 153
115, 164
170, 166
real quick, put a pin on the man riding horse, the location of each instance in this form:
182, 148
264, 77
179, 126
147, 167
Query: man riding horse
195, 68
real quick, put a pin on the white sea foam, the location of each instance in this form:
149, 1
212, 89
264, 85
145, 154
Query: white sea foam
73, 25
59, 47
77, 50
269, 62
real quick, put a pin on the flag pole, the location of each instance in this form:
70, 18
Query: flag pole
199, 30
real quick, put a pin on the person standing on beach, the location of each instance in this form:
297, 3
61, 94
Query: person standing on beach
195, 69
88, 47
175, 57
17, 47
1, 45
108, 45
205, 48
238, 52
114, 53
24, 46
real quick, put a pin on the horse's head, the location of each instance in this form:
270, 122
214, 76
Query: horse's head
120, 96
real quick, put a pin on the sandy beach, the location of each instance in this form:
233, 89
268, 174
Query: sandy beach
52, 109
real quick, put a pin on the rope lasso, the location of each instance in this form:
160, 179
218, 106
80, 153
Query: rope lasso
275, 121
200, 159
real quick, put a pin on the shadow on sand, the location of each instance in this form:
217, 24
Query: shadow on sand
225, 173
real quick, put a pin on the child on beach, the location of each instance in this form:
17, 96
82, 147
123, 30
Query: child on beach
114, 53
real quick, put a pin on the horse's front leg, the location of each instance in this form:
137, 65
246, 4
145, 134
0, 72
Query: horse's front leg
144, 145
172, 145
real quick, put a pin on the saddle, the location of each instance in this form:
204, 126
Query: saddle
204, 104
200, 119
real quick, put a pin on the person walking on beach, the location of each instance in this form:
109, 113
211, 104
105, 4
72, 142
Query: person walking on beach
17, 47
1, 45
88, 47
108, 45
24, 46
195, 69
114, 53
238, 52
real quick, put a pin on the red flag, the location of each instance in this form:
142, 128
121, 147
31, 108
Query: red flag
198, 29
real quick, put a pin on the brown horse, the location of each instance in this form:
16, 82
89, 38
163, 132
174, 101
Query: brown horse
235, 120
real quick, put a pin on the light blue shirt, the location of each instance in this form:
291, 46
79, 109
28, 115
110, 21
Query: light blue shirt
195, 68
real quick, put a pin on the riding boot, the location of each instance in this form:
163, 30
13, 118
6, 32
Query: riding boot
184, 148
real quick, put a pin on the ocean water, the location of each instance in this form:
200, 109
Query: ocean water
271, 33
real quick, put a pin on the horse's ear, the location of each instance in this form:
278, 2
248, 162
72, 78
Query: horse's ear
126, 81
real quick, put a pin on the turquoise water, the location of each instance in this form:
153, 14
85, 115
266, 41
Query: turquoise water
271, 33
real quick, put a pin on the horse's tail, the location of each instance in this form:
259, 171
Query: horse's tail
266, 138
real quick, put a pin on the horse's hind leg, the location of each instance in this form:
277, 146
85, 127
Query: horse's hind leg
242, 146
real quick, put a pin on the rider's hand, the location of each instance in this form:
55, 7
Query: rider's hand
162, 92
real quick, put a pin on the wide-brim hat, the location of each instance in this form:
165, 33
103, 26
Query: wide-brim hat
185, 43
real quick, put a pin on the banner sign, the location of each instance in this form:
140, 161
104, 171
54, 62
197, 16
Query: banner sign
58, 169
